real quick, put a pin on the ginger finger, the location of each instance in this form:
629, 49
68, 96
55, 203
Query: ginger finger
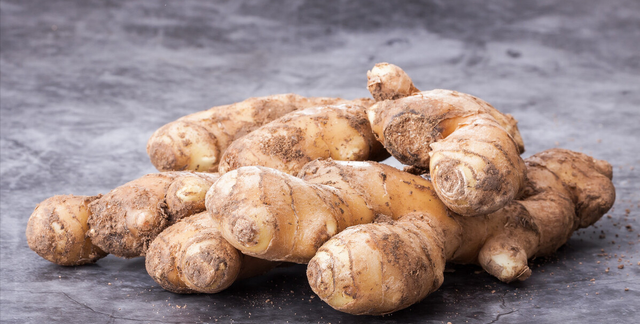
197, 141
340, 132
192, 257
56, 231
389, 82
185, 196
126, 220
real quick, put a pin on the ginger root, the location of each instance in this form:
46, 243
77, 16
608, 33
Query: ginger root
124, 221
56, 231
376, 238
272, 215
384, 267
192, 257
197, 141
74, 230
471, 149
340, 132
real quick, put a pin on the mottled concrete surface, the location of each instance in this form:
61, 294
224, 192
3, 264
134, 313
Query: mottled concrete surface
85, 83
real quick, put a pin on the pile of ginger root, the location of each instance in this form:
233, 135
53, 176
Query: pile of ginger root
285, 178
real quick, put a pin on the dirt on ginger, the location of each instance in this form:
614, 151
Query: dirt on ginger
340, 132
192, 257
404, 260
197, 141
56, 231
471, 149
74, 230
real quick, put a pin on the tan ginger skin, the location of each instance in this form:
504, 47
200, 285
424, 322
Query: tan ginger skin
471, 149
341, 132
192, 257
126, 220
122, 222
56, 231
273, 215
197, 141
387, 266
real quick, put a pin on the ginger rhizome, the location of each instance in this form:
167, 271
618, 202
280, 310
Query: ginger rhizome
290, 189
192, 257
341, 132
56, 231
389, 82
126, 220
386, 266
133, 220
272, 215
74, 230
471, 149
197, 141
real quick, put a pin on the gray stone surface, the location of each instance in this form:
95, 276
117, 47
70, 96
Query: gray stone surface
83, 84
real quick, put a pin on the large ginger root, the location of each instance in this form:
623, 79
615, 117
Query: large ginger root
383, 267
56, 231
192, 257
124, 221
273, 215
340, 132
471, 149
197, 141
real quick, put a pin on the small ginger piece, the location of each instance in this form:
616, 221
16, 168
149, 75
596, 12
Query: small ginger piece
387, 266
56, 231
471, 149
389, 82
192, 257
197, 141
185, 196
340, 132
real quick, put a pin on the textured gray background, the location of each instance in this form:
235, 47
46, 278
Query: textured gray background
83, 84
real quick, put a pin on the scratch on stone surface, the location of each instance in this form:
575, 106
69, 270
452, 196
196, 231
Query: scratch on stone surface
502, 299
503, 314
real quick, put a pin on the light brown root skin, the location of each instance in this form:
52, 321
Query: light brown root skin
126, 220
56, 231
477, 170
462, 140
272, 215
596, 198
550, 210
197, 141
391, 267
192, 257
184, 145
185, 196
340, 132
388, 82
